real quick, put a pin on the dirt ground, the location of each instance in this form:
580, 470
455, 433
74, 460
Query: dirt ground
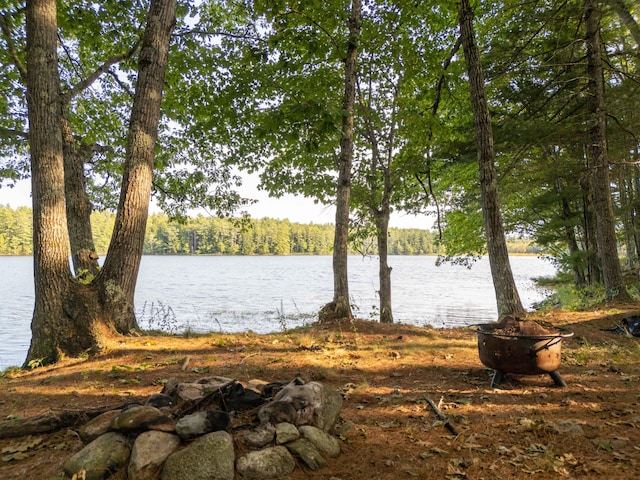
526, 428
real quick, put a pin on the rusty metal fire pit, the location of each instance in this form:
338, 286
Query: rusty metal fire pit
520, 354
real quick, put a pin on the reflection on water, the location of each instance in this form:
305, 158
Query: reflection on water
267, 294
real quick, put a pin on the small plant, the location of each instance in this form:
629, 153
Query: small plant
159, 317
35, 363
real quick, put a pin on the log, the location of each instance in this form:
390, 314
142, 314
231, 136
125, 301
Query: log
441, 416
50, 422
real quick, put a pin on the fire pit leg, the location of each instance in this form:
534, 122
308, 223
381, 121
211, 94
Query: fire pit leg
498, 375
557, 379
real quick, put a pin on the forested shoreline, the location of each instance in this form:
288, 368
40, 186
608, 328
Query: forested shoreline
223, 236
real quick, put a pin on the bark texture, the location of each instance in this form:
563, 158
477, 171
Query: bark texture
50, 325
507, 296
71, 317
600, 177
340, 307
78, 206
117, 280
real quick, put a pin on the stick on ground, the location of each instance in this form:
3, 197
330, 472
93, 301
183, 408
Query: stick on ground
441, 416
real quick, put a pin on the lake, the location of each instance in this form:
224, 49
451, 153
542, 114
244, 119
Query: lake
267, 294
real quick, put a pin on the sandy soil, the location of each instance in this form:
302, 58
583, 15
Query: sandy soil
526, 428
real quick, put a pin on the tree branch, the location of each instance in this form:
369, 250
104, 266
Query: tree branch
13, 53
84, 84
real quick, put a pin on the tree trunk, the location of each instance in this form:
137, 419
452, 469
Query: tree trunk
600, 179
624, 14
340, 307
507, 296
117, 280
50, 325
70, 317
384, 270
78, 207
570, 234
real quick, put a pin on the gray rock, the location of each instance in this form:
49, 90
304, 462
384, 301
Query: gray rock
188, 392
307, 453
139, 419
209, 457
257, 437
314, 404
203, 422
101, 458
272, 462
286, 432
323, 441
149, 453
97, 426
331, 408
160, 400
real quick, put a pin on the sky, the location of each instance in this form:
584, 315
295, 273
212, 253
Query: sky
297, 209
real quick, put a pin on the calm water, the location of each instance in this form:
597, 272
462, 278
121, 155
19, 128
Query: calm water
267, 294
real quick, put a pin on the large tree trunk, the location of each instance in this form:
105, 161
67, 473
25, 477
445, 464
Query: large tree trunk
600, 178
117, 280
70, 317
83, 251
624, 14
50, 325
340, 307
507, 296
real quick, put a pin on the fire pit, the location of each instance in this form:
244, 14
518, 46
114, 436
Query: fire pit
509, 351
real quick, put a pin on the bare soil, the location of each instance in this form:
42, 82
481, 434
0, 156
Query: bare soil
526, 428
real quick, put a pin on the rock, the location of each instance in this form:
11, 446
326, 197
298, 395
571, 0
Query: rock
149, 453
324, 442
314, 404
331, 408
278, 412
203, 422
272, 462
246, 400
160, 400
307, 453
286, 432
189, 392
97, 426
100, 458
139, 418
209, 457
257, 437
170, 387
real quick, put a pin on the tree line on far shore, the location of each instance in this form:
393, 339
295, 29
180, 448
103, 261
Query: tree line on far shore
223, 236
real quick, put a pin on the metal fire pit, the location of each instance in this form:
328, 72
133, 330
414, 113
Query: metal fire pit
521, 354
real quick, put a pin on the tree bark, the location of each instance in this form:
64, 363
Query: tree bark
71, 317
50, 325
600, 177
117, 280
78, 207
340, 307
507, 296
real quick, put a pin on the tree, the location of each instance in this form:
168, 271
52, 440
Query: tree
71, 317
340, 307
600, 178
507, 296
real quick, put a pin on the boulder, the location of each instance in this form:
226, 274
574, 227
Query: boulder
202, 422
324, 442
149, 453
140, 418
307, 453
100, 458
269, 463
209, 457
97, 426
